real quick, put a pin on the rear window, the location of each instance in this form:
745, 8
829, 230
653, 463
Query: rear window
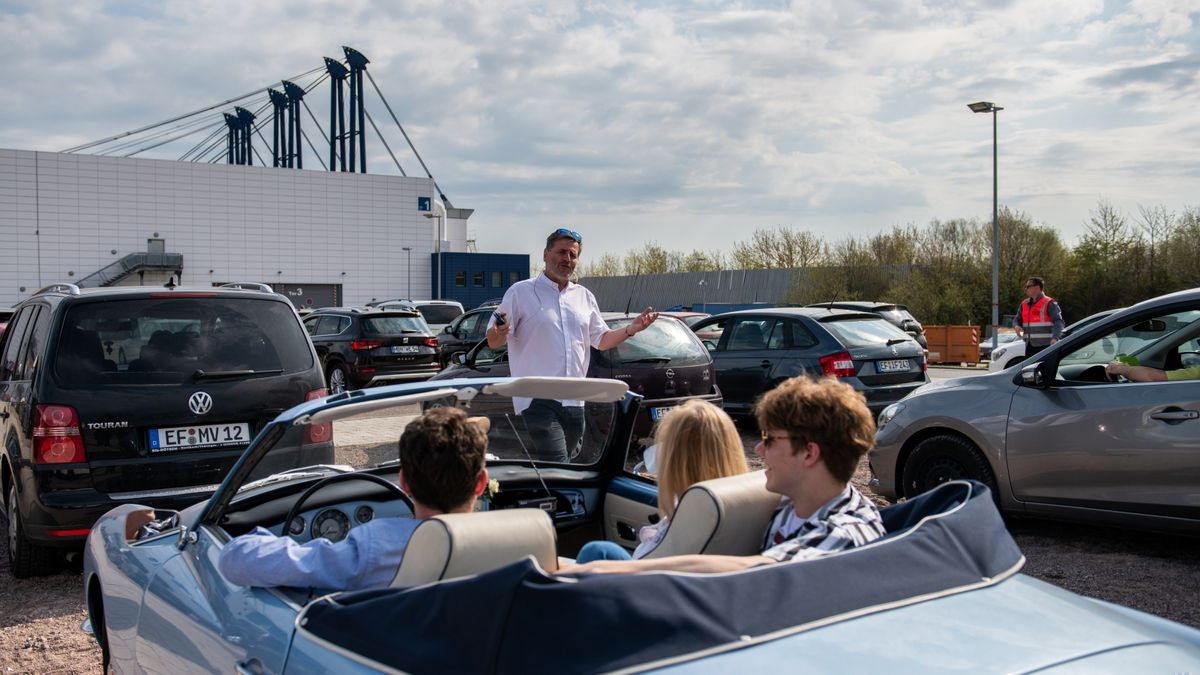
663, 339
394, 325
864, 332
439, 313
169, 340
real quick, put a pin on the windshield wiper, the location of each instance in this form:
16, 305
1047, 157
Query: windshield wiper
649, 359
896, 341
220, 374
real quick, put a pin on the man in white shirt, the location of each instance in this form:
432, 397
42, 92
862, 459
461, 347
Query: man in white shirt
550, 325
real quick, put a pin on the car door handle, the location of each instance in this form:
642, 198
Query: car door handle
250, 667
625, 531
765, 363
1175, 415
3, 414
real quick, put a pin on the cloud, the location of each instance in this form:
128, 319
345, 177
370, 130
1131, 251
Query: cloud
670, 117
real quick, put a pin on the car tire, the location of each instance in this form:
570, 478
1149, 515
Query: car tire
337, 378
95, 613
942, 458
25, 558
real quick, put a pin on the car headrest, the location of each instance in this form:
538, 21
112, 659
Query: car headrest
461, 544
723, 516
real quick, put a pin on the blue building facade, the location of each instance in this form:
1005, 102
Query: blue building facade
472, 278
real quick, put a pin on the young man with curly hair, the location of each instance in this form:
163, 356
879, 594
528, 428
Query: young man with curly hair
814, 432
442, 470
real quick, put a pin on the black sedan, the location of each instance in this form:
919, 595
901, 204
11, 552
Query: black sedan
754, 350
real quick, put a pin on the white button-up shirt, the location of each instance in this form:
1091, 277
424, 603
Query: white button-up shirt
551, 331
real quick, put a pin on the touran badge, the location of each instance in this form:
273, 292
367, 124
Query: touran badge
200, 403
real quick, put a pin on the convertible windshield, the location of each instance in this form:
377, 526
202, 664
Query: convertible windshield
367, 434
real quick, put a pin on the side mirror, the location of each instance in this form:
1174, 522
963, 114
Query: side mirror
459, 357
447, 330
1036, 375
710, 345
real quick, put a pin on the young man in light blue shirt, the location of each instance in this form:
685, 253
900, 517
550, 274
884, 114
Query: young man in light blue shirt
442, 470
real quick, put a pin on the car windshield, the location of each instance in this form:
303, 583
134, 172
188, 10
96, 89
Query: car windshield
393, 325
439, 313
861, 332
665, 341
366, 435
169, 340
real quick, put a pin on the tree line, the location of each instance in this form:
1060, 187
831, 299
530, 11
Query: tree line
943, 271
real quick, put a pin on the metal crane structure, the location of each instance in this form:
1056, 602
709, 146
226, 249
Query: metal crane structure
230, 135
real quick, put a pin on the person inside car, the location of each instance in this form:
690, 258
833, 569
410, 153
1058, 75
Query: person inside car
1136, 373
814, 432
695, 442
442, 470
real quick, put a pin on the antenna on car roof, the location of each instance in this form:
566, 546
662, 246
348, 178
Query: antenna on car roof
636, 277
829, 305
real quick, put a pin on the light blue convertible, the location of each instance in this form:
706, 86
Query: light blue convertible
941, 593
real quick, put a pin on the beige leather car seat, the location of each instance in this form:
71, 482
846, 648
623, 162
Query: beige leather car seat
461, 544
723, 516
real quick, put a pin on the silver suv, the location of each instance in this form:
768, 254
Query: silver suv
1055, 437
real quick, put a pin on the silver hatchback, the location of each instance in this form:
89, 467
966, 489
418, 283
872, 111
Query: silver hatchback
1056, 438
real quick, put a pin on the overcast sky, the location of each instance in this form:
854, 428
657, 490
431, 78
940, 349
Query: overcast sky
685, 123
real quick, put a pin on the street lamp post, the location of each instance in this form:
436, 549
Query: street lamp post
434, 206
986, 107
408, 272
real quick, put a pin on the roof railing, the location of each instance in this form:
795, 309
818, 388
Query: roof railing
61, 287
249, 286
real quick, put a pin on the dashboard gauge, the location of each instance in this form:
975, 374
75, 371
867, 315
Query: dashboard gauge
364, 514
296, 527
331, 524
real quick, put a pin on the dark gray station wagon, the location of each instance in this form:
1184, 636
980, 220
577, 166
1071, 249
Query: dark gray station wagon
756, 349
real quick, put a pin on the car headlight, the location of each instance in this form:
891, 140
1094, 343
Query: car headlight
998, 352
888, 414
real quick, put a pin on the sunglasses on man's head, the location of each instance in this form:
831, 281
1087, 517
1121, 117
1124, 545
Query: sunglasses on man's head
564, 232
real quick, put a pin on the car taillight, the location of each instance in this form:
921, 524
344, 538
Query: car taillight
56, 437
431, 342
359, 345
318, 433
925, 362
838, 365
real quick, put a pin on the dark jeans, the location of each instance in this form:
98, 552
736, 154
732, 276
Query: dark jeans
556, 430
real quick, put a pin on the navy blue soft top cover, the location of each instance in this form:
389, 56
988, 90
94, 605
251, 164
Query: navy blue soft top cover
518, 619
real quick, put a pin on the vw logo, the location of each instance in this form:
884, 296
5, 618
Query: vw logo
670, 373
200, 403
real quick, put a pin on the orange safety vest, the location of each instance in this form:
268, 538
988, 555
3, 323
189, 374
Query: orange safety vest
1035, 318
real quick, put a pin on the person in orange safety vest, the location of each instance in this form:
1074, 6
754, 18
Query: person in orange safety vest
1039, 320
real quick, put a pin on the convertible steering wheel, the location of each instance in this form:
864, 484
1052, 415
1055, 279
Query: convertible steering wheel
340, 478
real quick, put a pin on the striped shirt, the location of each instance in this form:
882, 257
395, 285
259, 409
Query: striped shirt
846, 521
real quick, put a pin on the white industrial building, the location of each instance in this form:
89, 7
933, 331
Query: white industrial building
311, 234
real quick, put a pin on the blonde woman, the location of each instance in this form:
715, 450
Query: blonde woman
695, 442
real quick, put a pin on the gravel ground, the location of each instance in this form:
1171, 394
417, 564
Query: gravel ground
40, 618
